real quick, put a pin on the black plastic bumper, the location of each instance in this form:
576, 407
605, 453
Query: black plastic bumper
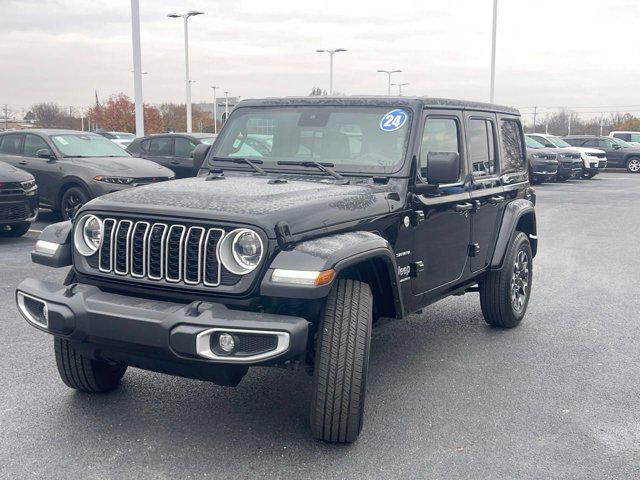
18, 208
156, 335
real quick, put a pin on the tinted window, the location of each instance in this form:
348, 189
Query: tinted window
482, 147
575, 142
11, 144
542, 141
160, 146
513, 157
33, 143
440, 135
623, 136
184, 147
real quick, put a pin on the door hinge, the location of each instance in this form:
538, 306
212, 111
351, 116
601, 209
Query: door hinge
474, 249
416, 268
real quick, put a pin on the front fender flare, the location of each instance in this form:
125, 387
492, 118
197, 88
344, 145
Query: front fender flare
337, 252
515, 212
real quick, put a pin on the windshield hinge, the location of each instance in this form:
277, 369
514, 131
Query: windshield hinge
283, 236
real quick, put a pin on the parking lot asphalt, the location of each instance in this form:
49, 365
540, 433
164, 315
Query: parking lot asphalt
448, 396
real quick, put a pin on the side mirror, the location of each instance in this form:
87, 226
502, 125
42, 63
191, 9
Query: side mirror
443, 167
199, 154
616, 146
45, 153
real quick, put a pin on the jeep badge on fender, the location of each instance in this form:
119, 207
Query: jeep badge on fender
310, 219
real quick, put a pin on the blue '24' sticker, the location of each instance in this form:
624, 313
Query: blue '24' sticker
393, 120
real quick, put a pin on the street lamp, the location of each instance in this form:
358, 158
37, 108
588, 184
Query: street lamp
185, 17
389, 73
331, 54
399, 85
137, 67
226, 105
493, 52
215, 110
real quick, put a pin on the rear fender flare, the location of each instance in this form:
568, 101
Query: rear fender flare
518, 215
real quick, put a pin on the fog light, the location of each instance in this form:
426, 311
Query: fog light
226, 342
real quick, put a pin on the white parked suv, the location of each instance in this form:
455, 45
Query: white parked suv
628, 136
593, 160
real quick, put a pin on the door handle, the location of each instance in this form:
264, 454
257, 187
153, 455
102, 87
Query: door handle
175, 162
496, 200
463, 208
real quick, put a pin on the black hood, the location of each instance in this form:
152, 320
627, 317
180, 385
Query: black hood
124, 166
305, 203
9, 173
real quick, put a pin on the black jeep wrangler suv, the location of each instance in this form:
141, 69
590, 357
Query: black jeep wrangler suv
355, 208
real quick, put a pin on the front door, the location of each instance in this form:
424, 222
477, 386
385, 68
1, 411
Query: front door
487, 192
441, 239
160, 151
182, 161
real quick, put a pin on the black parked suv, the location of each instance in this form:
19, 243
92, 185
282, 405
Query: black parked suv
363, 208
18, 201
72, 167
619, 153
172, 150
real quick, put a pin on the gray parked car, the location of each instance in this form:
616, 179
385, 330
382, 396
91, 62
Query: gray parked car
569, 160
72, 167
172, 150
543, 162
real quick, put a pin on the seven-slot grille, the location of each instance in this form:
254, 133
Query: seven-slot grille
159, 251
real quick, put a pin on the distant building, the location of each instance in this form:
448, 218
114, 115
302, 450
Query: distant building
208, 107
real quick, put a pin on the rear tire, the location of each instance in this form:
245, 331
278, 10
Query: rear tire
16, 229
342, 359
85, 374
505, 293
633, 165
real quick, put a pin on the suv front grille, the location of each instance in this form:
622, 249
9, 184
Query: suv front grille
158, 251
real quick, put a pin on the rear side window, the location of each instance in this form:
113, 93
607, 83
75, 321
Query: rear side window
184, 147
33, 143
160, 146
482, 147
440, 135
623, 136
11, 144
513, 157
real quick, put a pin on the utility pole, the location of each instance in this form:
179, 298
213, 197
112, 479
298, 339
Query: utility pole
535, 114
399, 85
331, 54
215, 111
546, 126
601, 123
6, 116
493, 52
137, 68
226, 105
569, 129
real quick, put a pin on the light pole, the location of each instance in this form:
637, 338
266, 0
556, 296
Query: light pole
226, 105
215, 110
331, 54
137, 67
389, 73
493, 52
399, 85
185, 17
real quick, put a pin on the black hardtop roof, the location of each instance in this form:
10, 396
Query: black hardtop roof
416, 102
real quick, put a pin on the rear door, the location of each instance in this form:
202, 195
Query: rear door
160, 150
182, 162
487, 192
615, 156
441, 239
11, 150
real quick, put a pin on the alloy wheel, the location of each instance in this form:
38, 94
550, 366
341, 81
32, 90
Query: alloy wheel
520, 281
634, 165
71, 205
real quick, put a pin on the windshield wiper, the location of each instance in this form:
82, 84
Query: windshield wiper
323, 167
251, 163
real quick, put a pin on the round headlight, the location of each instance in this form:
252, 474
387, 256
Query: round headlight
241, 251
88, 235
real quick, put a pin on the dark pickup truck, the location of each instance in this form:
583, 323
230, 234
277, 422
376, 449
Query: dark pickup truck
360, 208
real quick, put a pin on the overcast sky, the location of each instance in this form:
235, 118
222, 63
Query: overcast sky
560, 52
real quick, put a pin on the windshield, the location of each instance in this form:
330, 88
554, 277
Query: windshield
353, 139
558, 142
86, 145
208, 140
531, 143
622, 143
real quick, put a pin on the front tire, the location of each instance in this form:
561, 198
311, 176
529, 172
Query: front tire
71, 201
588, 175
342, 359
85, 374
633, 165
16, 229
505, 293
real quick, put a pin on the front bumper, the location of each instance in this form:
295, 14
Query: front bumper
19, 208
158, 335
569, 169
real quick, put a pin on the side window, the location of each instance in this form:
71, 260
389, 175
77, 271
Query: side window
606, 143
513, 157
144, 146
482, 147
183, 147
543, 141
160, 146
33, 143
440, 135
623, 136
11, 144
